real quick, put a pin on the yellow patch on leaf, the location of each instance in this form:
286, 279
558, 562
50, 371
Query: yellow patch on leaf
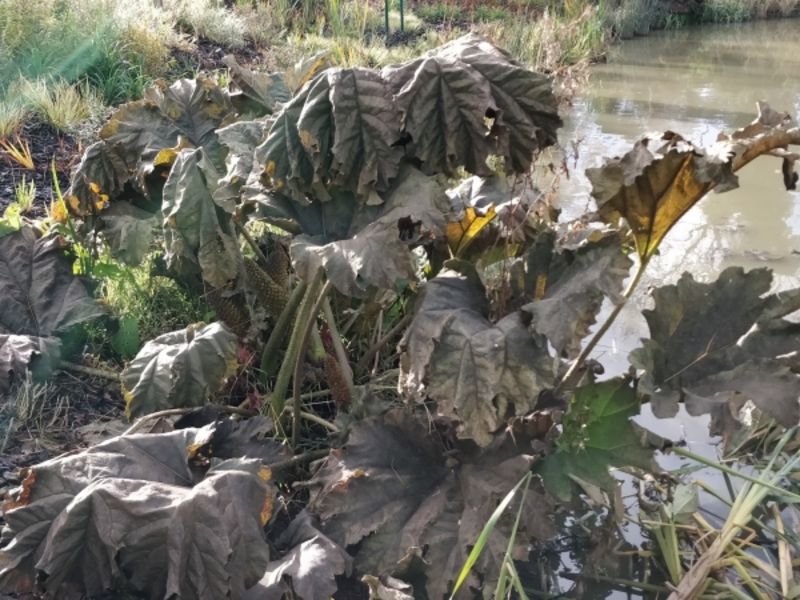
266, 510
541, 286
461, 234
58, 211
166, 157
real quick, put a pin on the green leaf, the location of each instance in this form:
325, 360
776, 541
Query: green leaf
128, 231
609, 440
126, 341
685, 502
476, 371
179, 369
12, 219
39, 295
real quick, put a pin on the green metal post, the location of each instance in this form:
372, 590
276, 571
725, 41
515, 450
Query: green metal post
402, 17
386, 16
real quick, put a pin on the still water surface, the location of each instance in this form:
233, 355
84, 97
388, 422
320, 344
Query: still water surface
696, 82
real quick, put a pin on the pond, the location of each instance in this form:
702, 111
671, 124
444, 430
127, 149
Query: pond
696, 82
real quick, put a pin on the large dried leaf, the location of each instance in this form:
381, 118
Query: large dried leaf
22, 353
137, 509
468, 100
347, 112
710, 341
264, 91
574, 285
393, 492
477, 372
305, 69
657, 182
241, 138
366, 128
102, 168
310, 565
179, 369
128, 231
458, 105
283, 159
143, 134
375, 250
600, 417
199, 235
39, 295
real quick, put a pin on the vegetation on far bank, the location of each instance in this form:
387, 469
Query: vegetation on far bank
97, 53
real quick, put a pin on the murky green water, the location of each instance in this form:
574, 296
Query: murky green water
696, 82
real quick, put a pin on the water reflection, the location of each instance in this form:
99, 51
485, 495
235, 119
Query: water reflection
696, 82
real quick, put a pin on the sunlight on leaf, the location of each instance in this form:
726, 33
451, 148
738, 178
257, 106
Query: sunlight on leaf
461, 234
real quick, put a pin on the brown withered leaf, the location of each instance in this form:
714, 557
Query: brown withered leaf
39, 295
140, 509
713, 341
393, 490
478, 373
661, 178
310, 565
568, 288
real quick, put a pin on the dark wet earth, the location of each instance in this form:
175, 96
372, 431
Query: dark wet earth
47, 147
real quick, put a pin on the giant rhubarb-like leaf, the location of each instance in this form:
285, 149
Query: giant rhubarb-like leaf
39, 295
568, 288
657, 182
20, 353
310, 565
373, 249
476, 371
468, 100
144, 134
128, 231
347, 112
140, 509
393, 491
179, 369
198, 234
712, 341
258, 93
599, 418
454, 107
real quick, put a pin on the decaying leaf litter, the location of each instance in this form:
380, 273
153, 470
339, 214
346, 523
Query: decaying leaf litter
354, 176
